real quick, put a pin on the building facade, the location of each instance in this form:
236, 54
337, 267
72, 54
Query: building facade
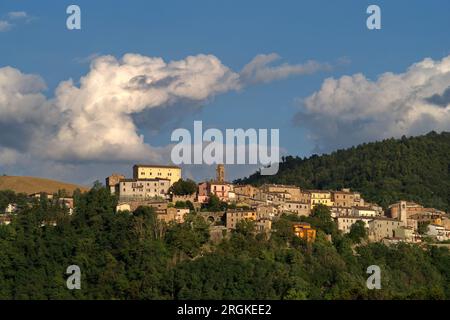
293, 191
344, 223
148, 171
320, 197
347, 198
223, 190
144, 189
299, 208
245, 190
381, 228
363, 212
235, 216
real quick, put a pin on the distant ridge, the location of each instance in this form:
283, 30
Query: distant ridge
30, 185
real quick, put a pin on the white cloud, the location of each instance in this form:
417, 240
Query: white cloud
4, 26
97, 119
17, 15
94, 120
354, 109
260, 71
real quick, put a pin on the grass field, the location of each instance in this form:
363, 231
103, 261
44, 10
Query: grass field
30, 185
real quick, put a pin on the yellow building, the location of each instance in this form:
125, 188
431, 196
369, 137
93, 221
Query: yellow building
304, 231
320, 196
144, 171
234, 216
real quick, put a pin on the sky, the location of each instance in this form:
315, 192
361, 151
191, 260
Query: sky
77, 105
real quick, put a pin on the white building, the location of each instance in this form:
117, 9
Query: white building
344, 223
143, 188
438, 232
364, 212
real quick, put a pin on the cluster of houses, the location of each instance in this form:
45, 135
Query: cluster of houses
151, 186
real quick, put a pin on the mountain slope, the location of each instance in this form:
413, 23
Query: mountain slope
415, 169
32, 184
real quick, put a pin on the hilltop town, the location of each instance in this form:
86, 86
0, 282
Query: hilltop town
152, 185
223, 205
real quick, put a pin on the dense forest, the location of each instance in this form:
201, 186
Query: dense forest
415, 169
136, 256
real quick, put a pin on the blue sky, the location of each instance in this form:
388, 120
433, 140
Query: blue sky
234, 32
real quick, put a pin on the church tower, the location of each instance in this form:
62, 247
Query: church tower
220, 173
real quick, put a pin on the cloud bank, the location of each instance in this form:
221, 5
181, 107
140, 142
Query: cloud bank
354, 109
95, 119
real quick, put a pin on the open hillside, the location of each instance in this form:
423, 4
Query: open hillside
415, 169
32, 184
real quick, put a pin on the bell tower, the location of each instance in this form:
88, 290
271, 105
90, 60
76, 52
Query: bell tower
220, 173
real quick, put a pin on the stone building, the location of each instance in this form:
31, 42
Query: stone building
380, 228
112, 182
245, 190
293, 191
150, 171
234, 216
299, 208
363, 211
410, 209
220, 173
263, 226
344, 223
173, 214
144, 189
347, 198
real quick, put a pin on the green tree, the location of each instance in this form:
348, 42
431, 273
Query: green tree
184, 187
358, 232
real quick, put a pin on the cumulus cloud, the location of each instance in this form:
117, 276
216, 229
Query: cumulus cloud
97, 115
355, 109
99, 118
259, 70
